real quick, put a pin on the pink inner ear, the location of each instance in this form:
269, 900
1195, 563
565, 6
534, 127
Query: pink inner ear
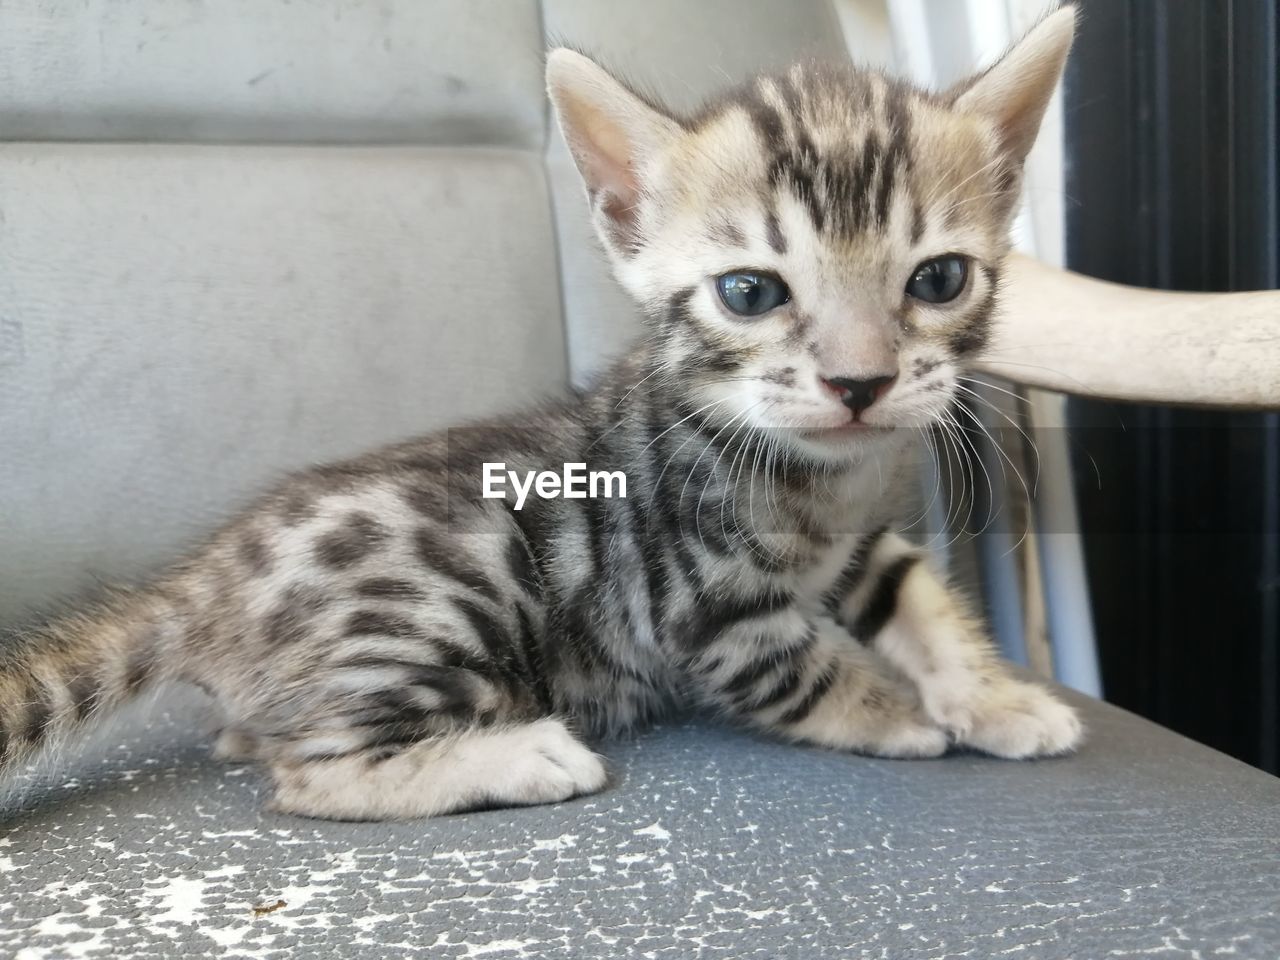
620, 221
605, 157
614, 192
612, 134
608, 158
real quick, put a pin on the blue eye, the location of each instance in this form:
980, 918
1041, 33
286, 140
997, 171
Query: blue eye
939, 280
752, 294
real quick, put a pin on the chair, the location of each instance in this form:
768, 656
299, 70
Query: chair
236, 238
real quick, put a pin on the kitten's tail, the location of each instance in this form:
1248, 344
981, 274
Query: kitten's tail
57, 678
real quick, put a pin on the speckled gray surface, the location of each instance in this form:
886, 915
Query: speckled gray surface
710, 843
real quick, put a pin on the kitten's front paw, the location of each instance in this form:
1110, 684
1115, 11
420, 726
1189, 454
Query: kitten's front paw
905, 734
1015, 720
235, 746
910, 741
548, 764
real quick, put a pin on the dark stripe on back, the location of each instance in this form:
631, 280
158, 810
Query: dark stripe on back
297, 506
768, 123
254, 553
533, 524
434, 555
451, 654
427, 499
378, 623
521, 566
492, 634
287, 624
389, 588
359, 535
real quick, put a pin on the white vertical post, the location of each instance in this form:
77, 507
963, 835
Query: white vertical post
990, 26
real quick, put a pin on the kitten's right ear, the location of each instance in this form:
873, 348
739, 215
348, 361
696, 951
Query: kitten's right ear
1015, 92
612, 134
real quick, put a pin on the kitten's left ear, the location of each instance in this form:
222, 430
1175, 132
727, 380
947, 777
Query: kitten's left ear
612, 134
1016, 91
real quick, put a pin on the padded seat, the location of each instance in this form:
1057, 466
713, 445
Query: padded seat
709, 843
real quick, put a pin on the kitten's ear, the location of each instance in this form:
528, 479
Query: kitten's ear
611, 133
1016, 91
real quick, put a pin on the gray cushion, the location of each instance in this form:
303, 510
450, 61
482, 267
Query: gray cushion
182, 324
416, 71
710, 843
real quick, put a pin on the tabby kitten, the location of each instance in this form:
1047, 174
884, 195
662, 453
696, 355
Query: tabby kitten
818, 254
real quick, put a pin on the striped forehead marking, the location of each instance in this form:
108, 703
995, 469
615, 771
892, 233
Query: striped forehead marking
846, 186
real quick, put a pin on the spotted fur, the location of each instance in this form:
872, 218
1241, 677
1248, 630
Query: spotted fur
392, 644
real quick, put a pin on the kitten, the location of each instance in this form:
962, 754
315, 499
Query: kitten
818, 254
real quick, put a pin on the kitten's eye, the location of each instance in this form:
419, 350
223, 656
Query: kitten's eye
752, 294
939, 280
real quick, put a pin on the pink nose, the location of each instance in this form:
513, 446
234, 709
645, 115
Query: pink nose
860, 394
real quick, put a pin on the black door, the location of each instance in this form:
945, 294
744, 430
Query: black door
1171, 112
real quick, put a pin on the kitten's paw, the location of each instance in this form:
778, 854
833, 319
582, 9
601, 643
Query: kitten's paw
528, 763
904, 735
910, 739
1017, 720
235, 746
548, 764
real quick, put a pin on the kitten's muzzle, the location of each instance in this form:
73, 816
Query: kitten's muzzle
859, 394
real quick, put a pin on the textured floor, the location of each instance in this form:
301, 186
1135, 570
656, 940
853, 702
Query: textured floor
711, 844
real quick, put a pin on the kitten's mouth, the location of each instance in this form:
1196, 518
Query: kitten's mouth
854, 430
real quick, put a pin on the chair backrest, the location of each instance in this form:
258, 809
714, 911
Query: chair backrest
241, 237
